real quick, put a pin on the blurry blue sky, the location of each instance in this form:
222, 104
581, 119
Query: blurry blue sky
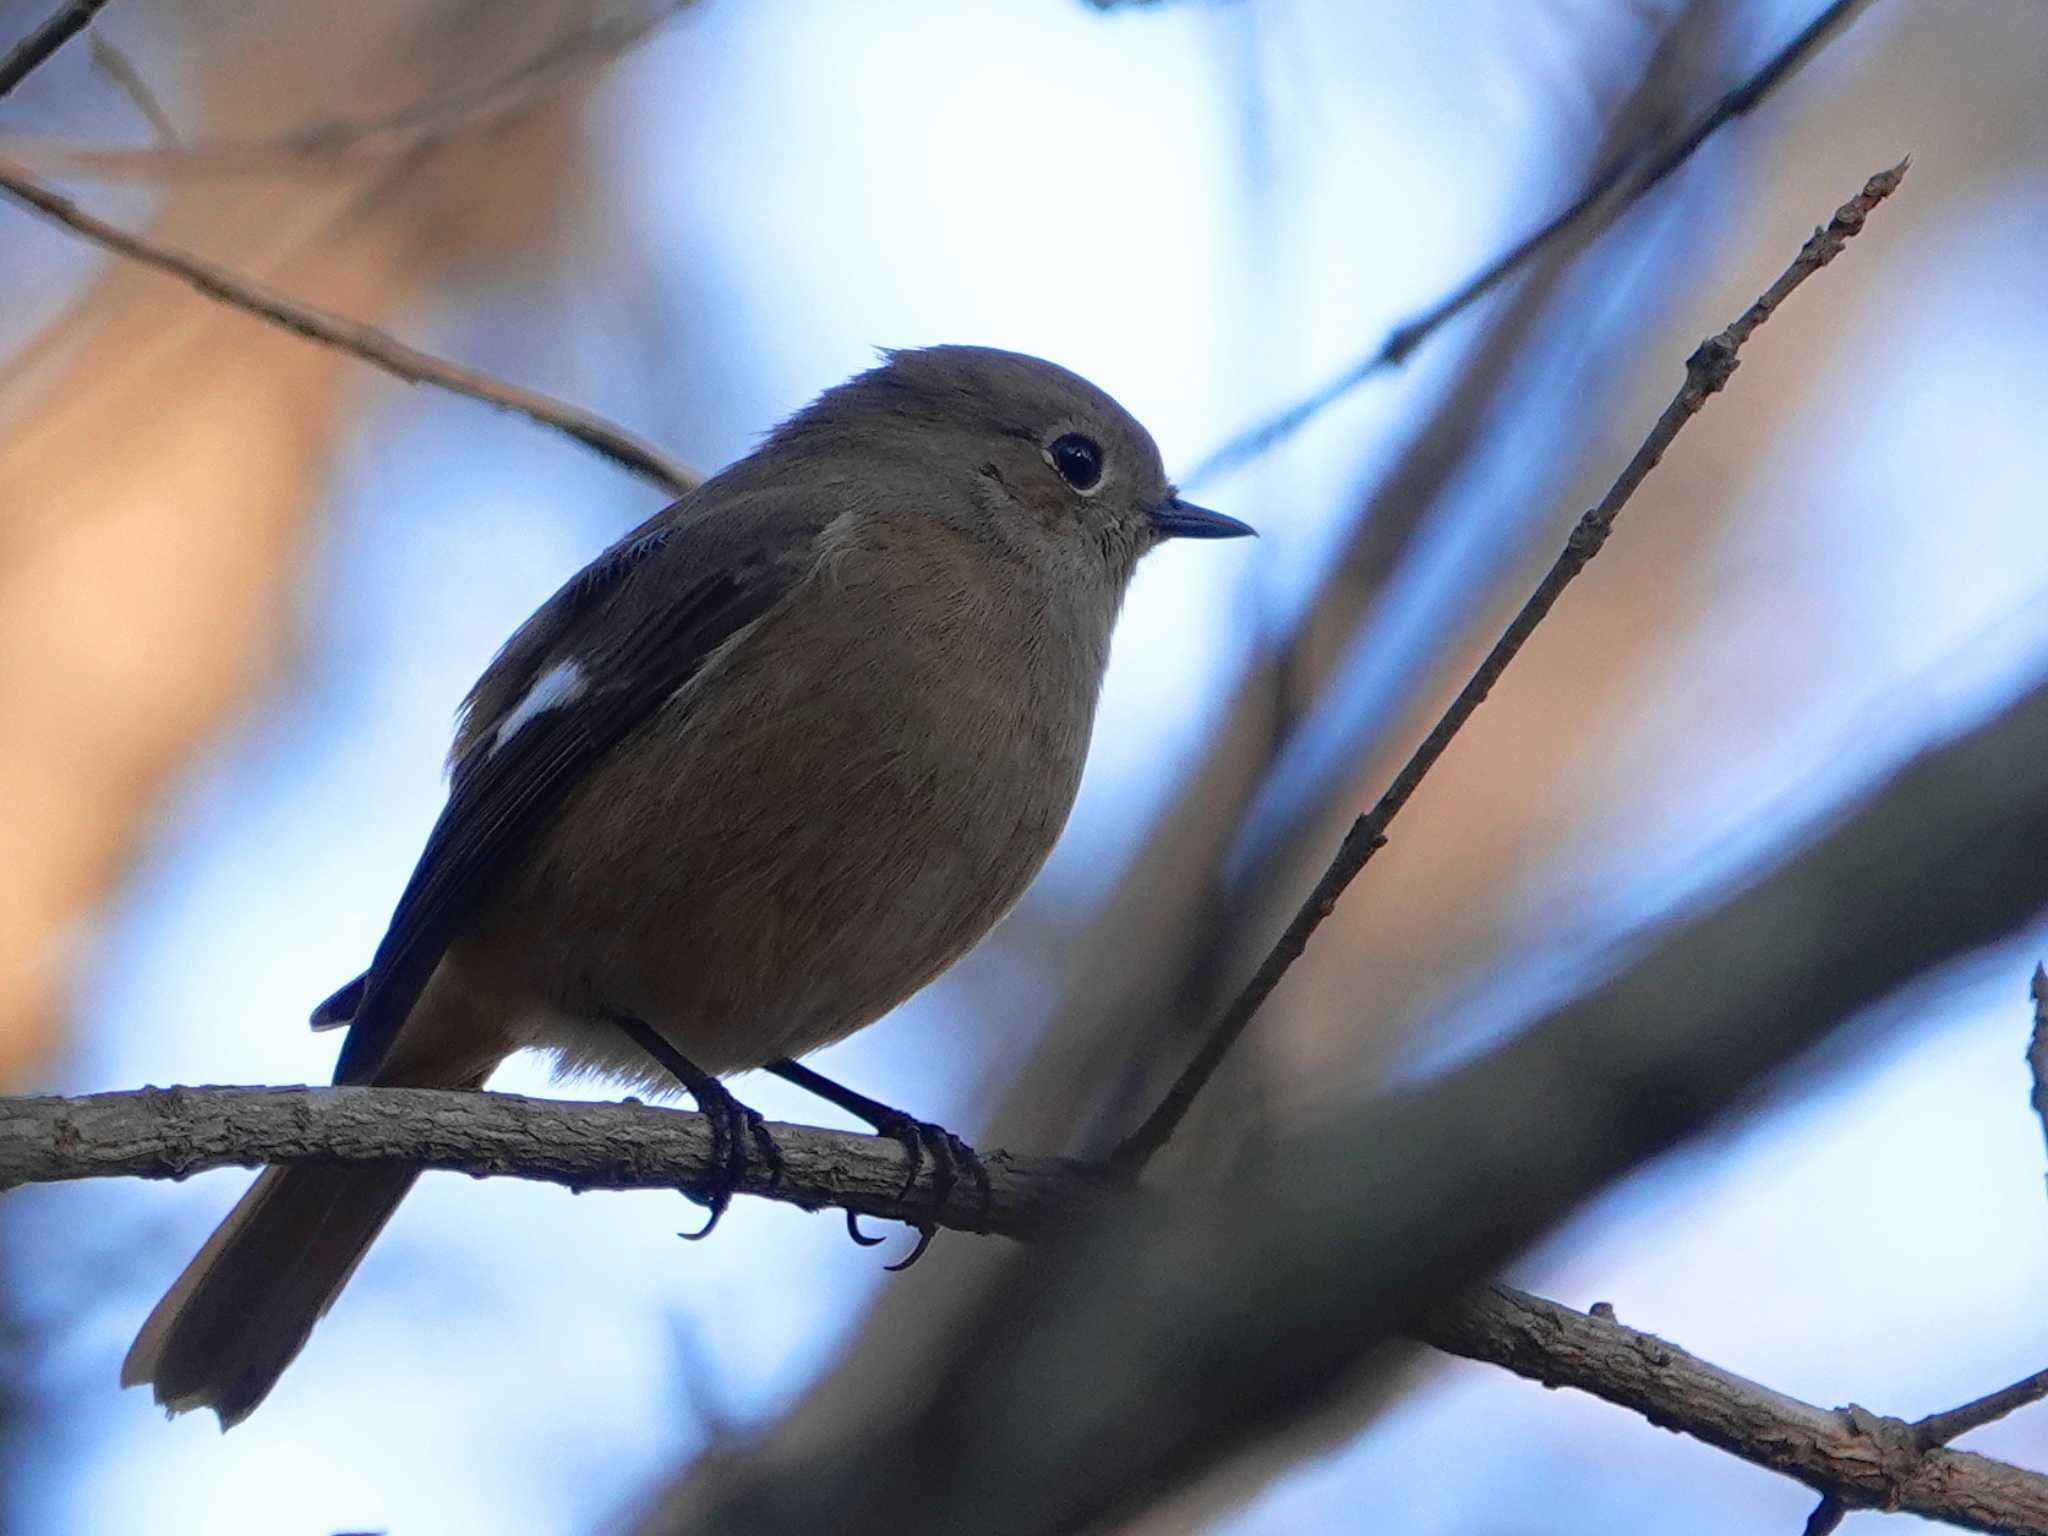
1207, 209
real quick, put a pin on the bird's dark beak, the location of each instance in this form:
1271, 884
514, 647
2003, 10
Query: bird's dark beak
1177, 519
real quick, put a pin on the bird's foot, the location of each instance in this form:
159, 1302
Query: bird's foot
733, 1126
921, 1140
734, 1130
951, 1159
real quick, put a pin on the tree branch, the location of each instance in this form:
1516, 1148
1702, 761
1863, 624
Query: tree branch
28, 55
171, 1133
128, 79
1907, 1445
1853, 1457
373, 346
1939, 1429
1644, 162
175, 1132
1706, 372
1138, 1350
442, 116
1953, 1423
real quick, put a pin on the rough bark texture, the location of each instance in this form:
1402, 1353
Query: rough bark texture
169, 1133
1145, 1347
1859, 1458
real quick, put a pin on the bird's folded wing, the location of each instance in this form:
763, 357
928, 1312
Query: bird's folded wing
598, 659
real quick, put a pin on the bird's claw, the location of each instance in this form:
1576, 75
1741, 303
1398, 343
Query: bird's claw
729, 1155
950, 1158
865, 1239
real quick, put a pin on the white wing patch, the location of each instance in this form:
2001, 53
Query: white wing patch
562, 684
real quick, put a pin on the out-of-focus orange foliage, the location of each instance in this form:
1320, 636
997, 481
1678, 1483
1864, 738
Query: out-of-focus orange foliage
158, 470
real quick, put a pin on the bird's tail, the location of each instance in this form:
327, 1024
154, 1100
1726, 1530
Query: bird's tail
245, 1306
247, 1303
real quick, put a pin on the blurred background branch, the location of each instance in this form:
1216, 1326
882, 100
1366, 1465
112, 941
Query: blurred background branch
1854, 1459
1205, 886
443, 114
2037, 1048
144, 595
243, 583
26, 56
1137, 1351
1706, 373
1624, 179
408, 364
115, 64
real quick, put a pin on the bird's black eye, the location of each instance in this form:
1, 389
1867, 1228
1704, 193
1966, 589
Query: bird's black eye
1077, 459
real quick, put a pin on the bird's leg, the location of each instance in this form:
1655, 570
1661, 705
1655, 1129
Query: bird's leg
919, 1139
728, 1117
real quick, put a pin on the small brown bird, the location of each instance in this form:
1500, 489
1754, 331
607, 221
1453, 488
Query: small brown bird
759, 772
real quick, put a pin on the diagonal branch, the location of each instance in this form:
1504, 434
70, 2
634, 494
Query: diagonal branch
1954, 1423
372, 345
1938, 1429
1143, 1005
28, 55
128, 79
1623, 180
1153, 1342
1853, 1457
442, 116
1706, 372
1905, 1447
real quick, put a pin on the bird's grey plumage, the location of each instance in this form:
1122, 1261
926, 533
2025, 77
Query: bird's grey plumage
754, 776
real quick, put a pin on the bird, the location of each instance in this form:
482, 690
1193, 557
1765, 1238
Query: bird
756, 774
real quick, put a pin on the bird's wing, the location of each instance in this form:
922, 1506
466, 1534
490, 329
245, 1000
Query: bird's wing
598, 659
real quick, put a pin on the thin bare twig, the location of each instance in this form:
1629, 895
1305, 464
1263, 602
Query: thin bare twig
1626, 179
1706, 372
372, 345
28, 55
115, 64
1131, 1355
445, 115
1940, 1428
1158, 1023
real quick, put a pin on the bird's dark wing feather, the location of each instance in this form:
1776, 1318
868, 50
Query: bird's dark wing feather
651, 642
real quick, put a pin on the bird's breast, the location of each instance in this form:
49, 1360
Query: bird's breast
828, 818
